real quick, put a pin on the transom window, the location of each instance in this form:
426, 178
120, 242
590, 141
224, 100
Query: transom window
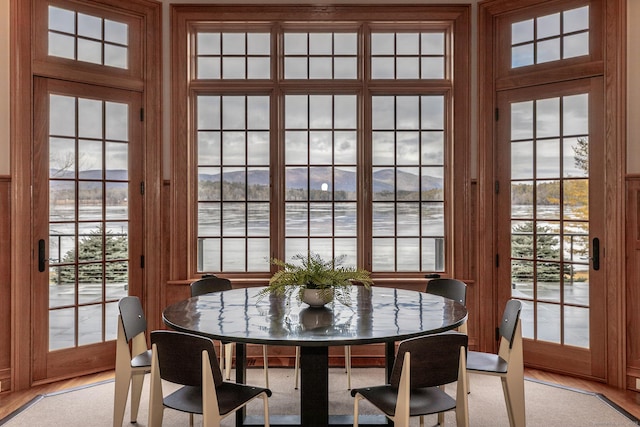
83, 37
553, 37
331, 137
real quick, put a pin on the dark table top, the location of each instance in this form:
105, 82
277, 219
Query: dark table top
376, 315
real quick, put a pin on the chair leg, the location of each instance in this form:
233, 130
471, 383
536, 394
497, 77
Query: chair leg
514, 398
156, 405
266, 409
347, 364
122, 380
137, 382
440, 414
356, 403
297, 367
228, 357
265, 362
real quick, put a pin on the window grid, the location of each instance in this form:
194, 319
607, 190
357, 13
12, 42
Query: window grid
82, 37
553, 37
316, 215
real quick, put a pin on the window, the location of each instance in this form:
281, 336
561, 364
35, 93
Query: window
552, 37
329, 137
83, 37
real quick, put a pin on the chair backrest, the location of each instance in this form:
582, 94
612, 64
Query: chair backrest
510, 318
435, 359
209, 284
133, 319
180, 357
449, 288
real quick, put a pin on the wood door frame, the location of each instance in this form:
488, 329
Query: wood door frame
21, 138
614, 69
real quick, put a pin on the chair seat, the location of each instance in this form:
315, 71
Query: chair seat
230, 395
486, 362
143, 360
423, 401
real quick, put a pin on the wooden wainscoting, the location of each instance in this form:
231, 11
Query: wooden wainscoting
5, 284
633, 282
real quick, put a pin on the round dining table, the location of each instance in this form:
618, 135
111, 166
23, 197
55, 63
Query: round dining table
375, 315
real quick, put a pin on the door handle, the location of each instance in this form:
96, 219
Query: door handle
596, 253
42, 255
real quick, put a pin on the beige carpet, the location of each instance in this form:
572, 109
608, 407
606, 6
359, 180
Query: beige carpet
546, 405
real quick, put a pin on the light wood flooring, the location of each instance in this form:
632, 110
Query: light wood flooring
626, 399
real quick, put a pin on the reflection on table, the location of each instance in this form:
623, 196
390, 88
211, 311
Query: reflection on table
379, 315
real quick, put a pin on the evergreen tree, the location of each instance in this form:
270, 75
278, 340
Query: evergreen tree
90, 249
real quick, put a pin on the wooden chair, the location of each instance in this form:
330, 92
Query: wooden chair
421, 366
190, 361
211, 283
131, 365
453, 289
450, 288
508, 364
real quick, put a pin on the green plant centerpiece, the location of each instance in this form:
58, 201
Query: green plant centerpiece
331, 279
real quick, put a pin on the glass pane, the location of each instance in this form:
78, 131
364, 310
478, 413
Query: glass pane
209, 184
208, 43
320, 43
382, 44
320, 219
432, 151
548, 117
408, 254
90, 283
522, 160
233, 148
296, 219
62, 158
407, 68
548, 26
522, 120
258, 148
548, 159
296, 147
408, 219
432, 219
233, 255
576, 157
432, 68
575, 114
548, 199
576, 326
208, 112
345, 219
116, 121
209, 223
258, 219
548, 50
111, 323
258, 43
522, 31
296, 184
576, 285
432, 43
234, 184
89, 159
116, 201
296, 108
209, 254
383, 255
89, 26
522, 240
407, 184
62, 20
62, 286
233, 44
233, 112
383, 185
116, 160
89, 118
576, 19
61, 196
522, 56
209, 68
256, 259
407, 112
90, 200
116, 32
62, 115
576, 45
320, 111
89, 51
295, 43
62, 329
382, 68
233, 68
548, 324
383, 219
89, 324
62, 46
345, 43
116, 56
576, 199
522, 200
522, 276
